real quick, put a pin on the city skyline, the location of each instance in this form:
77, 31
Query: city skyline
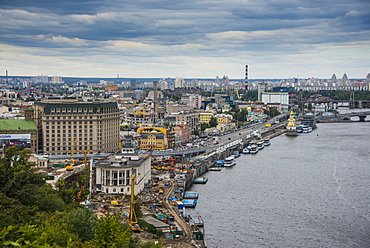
198, 39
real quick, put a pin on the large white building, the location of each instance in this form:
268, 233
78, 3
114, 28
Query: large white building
113, 176
276, 97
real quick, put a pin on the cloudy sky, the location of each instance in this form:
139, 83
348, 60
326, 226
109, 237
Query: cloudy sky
189, 39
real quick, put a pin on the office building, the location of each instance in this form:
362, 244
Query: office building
71, 126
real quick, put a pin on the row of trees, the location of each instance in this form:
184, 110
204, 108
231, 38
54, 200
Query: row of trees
33, 214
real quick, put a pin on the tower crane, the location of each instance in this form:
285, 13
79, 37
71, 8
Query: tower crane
132, 215
69, 167
85, 156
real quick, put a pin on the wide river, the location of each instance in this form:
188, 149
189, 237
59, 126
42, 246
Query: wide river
312, 190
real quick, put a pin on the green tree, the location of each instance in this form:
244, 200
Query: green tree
21, 182
56, 233
213, 122
81, 221
13, 212
204, 126
110, 233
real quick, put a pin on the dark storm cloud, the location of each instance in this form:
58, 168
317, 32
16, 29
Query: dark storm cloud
207, 28
54, 6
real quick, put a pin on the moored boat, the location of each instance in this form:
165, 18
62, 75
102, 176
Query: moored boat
195, 219
215, 169
219, 162
201, 180
191, 195
253, 149
266, 142
260, 145
189, 203
229, 161
246, 150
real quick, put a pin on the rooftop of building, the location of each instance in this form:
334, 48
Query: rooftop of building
124, 161
16, 125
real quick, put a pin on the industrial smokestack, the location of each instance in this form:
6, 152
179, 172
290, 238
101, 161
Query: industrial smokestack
155, 84
246, 77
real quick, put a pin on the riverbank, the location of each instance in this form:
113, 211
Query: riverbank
196, 236
306, 191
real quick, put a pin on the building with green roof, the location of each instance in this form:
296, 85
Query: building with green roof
20, 132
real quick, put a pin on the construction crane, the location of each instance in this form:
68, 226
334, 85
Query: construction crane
132, 216
69, 167
119, 144
85, 156
238, 95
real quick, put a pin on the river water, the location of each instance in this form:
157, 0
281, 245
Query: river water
306, 191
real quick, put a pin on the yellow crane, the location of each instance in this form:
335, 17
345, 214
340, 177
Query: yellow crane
85, 156
69, 167
237, 94
119, 144
132, 215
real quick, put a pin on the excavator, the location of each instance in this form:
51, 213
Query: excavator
132, 215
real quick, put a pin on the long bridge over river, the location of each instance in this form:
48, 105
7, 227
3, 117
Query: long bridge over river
344, 117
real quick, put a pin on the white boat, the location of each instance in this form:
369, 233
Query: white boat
307, 129
260, 145
229, 161
246, 150
253, 149
266, 142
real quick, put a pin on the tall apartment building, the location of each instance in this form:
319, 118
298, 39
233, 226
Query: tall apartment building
179, 82
190, 118
71, 126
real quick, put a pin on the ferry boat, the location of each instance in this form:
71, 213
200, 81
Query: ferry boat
191, 195
201, 180
229, 161
291, 126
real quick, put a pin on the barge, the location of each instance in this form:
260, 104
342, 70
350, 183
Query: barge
189, 203
201, 180
191, 195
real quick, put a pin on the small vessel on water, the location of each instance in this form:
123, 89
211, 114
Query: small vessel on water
195, 219
291, 126
230, 161
191, 195
219, 162
201, 180
260, 144
215, 169
189, 203
246, 150
254, 149
266, 142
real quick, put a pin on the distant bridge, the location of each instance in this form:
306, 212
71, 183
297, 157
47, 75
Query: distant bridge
344, 117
